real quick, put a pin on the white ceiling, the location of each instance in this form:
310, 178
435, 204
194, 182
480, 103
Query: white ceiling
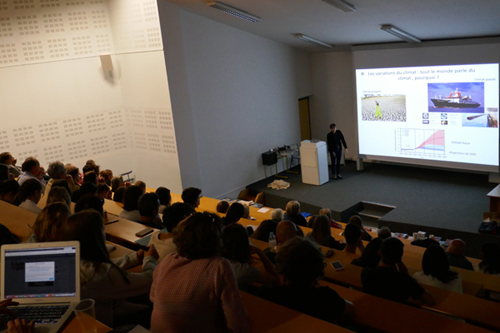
426, 19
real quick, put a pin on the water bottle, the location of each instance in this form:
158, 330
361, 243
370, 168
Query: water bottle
272, 241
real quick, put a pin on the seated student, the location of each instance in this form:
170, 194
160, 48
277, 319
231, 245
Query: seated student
237, 249
384, 233
302, 264
90, 166
131, 203
390, 279
172, 216
4, 173
116, 183
370, 256
285, 231
90, 177
352, 235
148, 209
222, 207
195, 290
119, 194
48, 224
104, 280
9, 190
292, 213
191, 196
328, 213
234, 214
74, 172
58, 194
90, 201
29, 195
32, 170
490, 264
456, 255
8, 160
277, 215
57, 171
436, 270
165, 198
142, 185
103, 191
61, 183
356, 219
107, 176
322, 234
86, 188
264, 229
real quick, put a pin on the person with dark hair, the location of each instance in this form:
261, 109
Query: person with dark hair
103, 191
390, 279
328, 213
352, 235
237, 249
119, 194
58, 194
456, 255
105, 280
90, 177
356, 219
436, 270
384, 233
172, 216
107, 176
74, 172
9, 161
335, 140
142, 185
29, 195
9, 190
292, 213
57, 171
490, 264
201, 294
90, 201
131, 203
91, 166
234, 213
4, 173
192, 195
165, 198
370, 256
86, 188
32, 170
302, 264
264, 229
116, 183
222, 207
61, 183
148, 209
322, 233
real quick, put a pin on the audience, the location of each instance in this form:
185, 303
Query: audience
222, 207
191, 196
116, 183
264, 229
456, 255
237, 249
292, 213
356, 219
384, 233
58, 194
277, 215
148, 209
390, 279
370, 256
107, 281
131, 203
436, 270
74, 172
90, 177
195, 290
103, 191
56, 171
10, 162
352, 234
302, 264
29, 195
119, 194
86, 188
9, 190
50, 222
107, 176
32, 170
165, 198
90, 201
234, 213
142, 185
490, 264
172, 216
328, 213
4, 173
322, 234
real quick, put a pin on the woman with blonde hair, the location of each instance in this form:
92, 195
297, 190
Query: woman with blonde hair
322, 233
292, 213
50, 222
58, 194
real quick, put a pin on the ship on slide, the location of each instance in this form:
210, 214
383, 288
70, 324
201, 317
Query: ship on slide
456, 101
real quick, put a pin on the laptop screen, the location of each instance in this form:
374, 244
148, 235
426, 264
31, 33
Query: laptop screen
40, 272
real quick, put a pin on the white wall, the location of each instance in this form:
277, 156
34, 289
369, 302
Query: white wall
243, 93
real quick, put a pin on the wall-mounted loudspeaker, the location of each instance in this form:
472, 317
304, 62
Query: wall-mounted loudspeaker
106, 62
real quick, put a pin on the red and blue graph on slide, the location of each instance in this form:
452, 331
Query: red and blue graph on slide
434, 142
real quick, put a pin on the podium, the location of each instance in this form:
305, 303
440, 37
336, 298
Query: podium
314, 162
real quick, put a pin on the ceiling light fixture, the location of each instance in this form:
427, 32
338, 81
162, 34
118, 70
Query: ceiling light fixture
234, 11
312, 40
400, 33
342, 5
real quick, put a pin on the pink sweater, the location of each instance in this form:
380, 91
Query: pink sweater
196, 296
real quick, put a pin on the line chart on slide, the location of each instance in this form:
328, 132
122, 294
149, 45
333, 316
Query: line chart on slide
420, 142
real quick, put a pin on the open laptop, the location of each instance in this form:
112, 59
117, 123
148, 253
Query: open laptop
44, 278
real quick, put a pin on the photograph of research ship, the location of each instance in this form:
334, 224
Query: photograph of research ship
455, 100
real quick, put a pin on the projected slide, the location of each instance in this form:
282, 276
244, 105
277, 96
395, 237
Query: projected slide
435, 113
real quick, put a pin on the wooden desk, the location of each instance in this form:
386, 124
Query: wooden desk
123, 232
494, 196
113, 207
17, 219
271, 317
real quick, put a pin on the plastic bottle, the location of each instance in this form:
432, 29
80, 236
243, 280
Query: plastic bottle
272, 241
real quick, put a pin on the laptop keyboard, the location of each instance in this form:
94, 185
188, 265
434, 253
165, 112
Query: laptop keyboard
38, 314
